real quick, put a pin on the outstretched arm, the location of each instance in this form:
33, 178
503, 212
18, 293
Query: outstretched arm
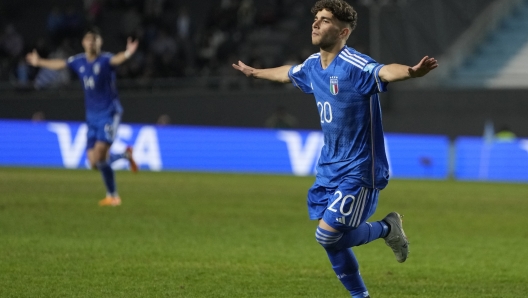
121, 57
277, 74
398, 72
34, 59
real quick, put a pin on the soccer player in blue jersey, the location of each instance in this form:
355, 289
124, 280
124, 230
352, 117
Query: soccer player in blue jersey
353, 166
96, 71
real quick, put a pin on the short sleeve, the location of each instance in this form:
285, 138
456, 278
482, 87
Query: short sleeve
107, 57
298, 75
366, 78
70, 62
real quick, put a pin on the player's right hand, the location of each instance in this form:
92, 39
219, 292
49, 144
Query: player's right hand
247, 70
33, 58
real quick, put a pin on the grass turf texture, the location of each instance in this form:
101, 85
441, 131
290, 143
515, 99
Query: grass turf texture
226, 235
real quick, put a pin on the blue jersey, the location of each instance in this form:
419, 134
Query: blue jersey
99, 82
346, 93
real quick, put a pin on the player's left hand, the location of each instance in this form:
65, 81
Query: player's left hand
131, 46
423, 67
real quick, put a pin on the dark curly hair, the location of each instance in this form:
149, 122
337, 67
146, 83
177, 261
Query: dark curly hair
340, 9
92, 30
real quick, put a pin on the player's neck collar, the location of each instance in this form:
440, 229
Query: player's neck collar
91, 58
327, 57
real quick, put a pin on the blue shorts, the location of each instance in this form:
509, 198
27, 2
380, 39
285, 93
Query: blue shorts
344, 207
103, 131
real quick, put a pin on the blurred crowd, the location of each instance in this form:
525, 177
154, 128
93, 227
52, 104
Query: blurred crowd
190, 39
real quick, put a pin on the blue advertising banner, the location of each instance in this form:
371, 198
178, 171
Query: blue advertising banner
212, 149
418, 156
477, 159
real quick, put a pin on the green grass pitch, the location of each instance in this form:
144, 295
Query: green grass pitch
227, 235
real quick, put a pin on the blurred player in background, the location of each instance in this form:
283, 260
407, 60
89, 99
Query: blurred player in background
353, 167
96, 71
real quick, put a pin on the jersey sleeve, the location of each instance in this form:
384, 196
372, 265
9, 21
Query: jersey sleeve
71, 62
106, 58
366, 80
298, 75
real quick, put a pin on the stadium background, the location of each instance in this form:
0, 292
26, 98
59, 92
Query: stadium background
186, 68
182, 73
207, 225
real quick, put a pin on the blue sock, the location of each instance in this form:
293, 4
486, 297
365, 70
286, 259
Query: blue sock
363, 234
114, 157
108, 177
343, 261
346, 267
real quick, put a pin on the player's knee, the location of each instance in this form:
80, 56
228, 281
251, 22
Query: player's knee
93, 164
97, 158
328, 240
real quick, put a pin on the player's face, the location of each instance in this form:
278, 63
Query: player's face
325, 29
92, 43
